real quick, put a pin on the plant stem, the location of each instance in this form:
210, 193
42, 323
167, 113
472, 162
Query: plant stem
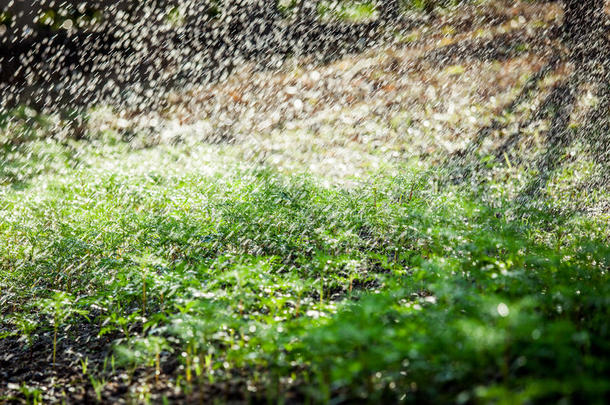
157, 366
144, 294
54, 342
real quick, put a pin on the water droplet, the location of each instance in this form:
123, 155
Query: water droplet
503, 310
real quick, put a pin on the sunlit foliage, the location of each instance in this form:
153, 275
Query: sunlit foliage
304, 201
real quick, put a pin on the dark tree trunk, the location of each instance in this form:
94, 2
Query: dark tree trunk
583, 19
584, 30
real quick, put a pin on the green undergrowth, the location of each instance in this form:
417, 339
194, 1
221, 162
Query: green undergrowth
401, 288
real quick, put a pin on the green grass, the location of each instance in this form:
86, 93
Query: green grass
400, 288
354, 11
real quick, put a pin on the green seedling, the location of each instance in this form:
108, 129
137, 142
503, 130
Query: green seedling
144, 351
26, 325
84, 365
33, 396
60, 308
98, 385
114, 321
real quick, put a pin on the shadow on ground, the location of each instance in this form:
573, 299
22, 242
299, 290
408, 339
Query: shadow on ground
584, 54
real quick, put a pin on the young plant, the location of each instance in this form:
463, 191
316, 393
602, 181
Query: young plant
59, 308
115, 321
84, 365
32, 396
98, 385
144, 351
27, 326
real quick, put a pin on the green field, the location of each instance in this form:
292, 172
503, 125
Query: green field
200, 273
422, 222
